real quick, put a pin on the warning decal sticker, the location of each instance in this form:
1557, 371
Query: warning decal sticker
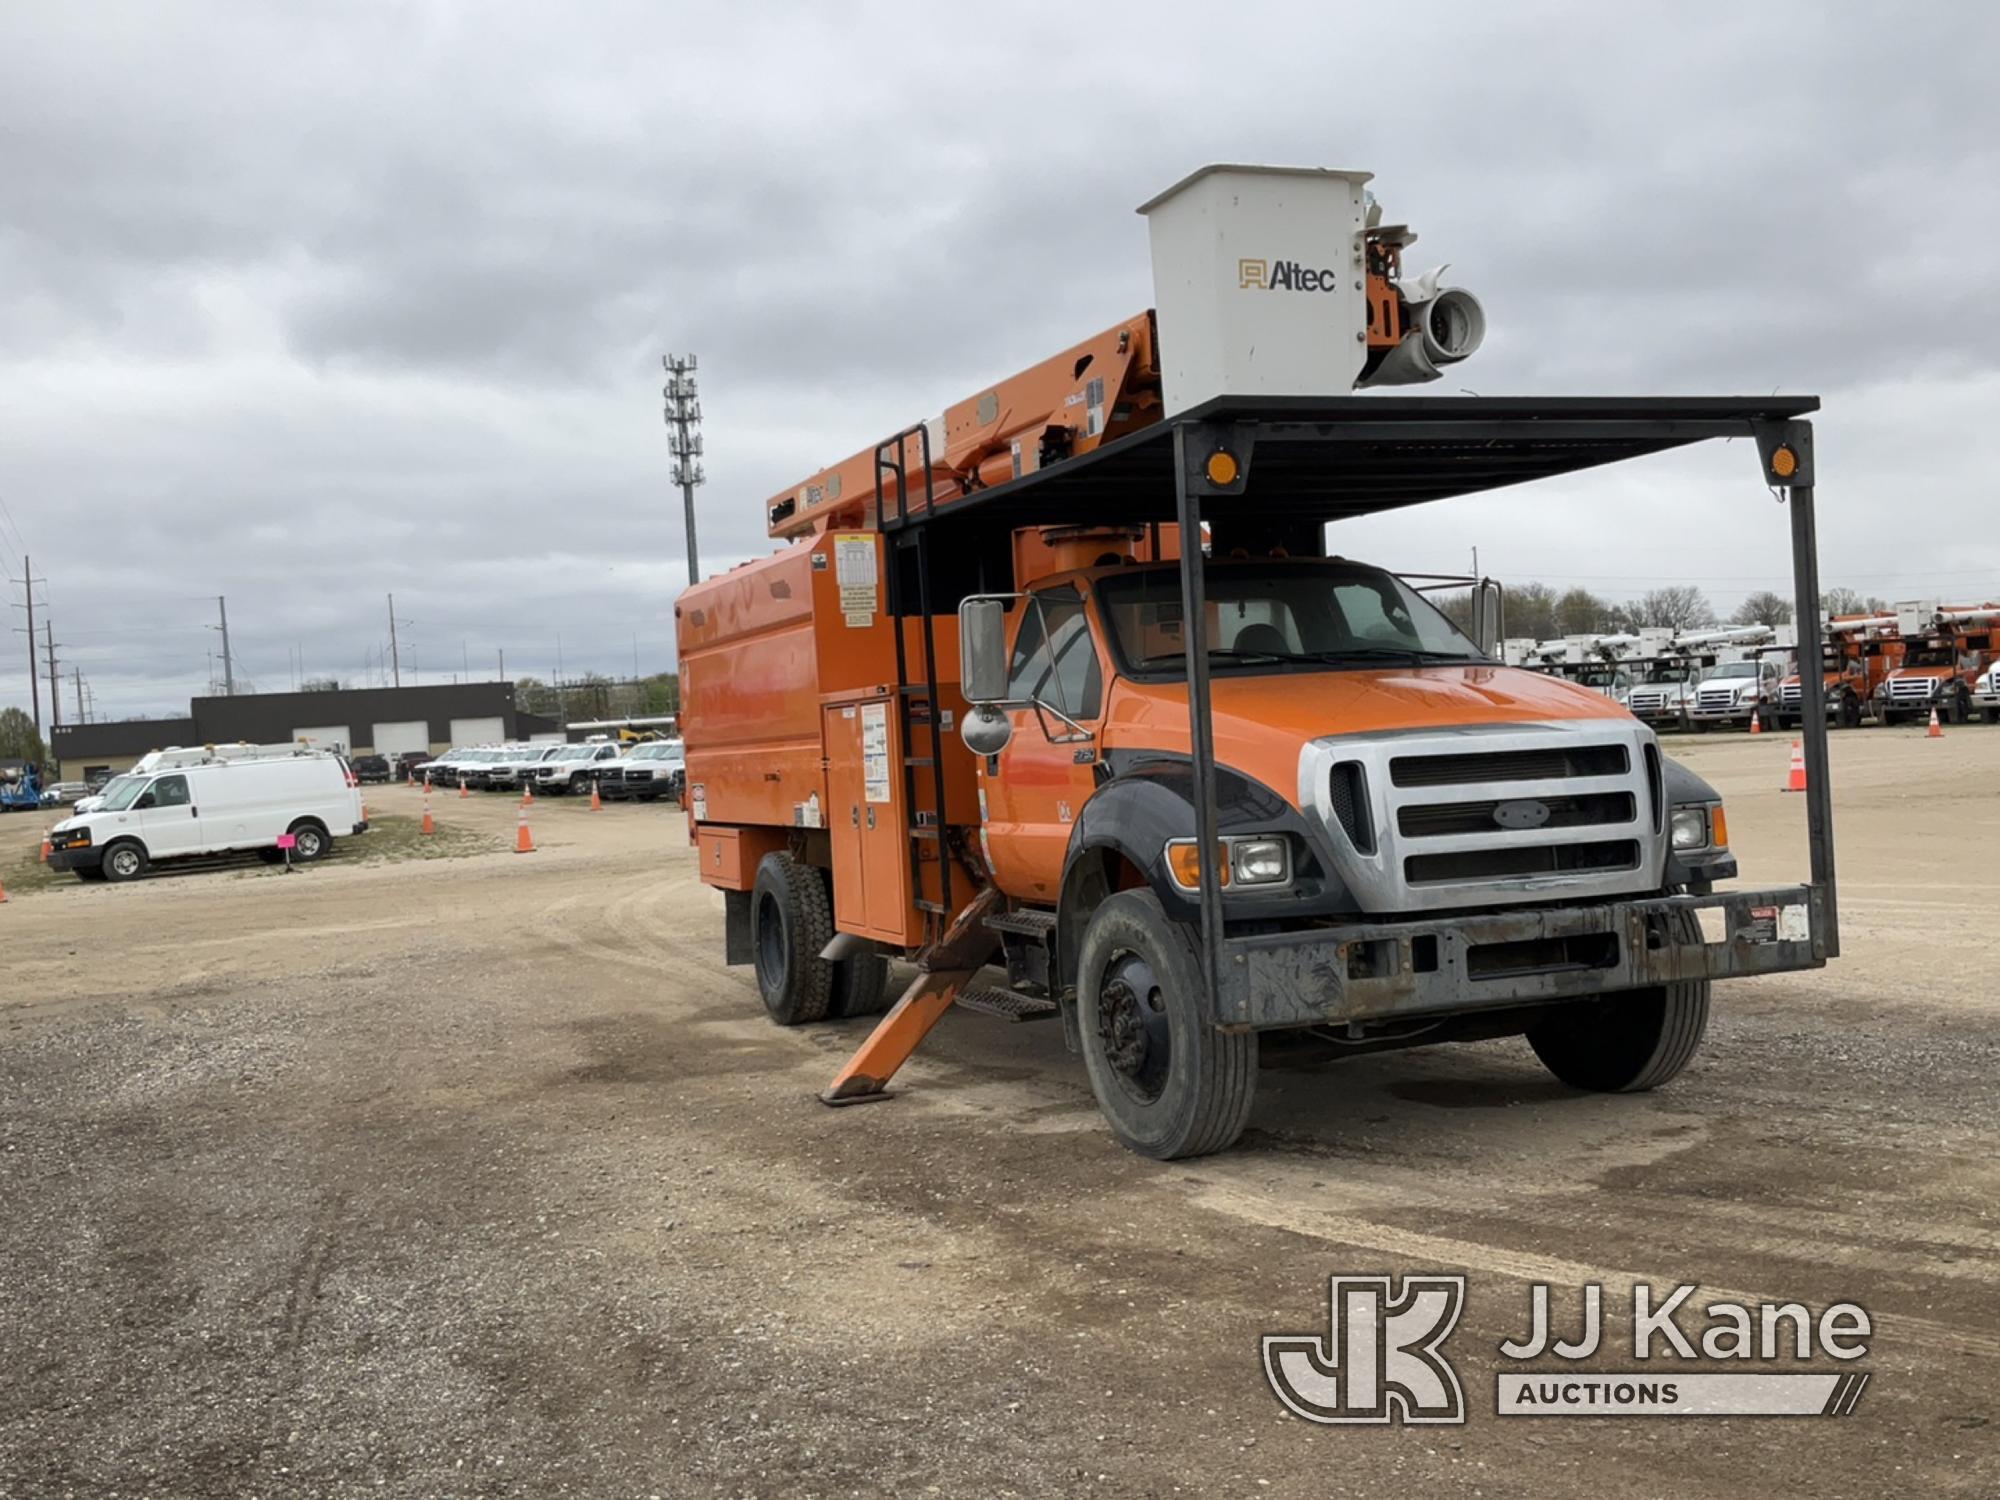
855, 573
875, 751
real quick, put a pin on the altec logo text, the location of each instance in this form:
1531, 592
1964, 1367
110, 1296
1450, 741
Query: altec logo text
1283, 276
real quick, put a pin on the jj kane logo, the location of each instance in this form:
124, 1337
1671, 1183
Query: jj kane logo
1283, 276
1383, 1358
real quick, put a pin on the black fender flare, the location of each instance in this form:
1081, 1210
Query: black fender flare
1148, 801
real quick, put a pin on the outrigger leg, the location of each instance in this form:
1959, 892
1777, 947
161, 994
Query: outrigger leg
944, 969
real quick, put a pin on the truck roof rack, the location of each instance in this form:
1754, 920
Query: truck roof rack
1326, 458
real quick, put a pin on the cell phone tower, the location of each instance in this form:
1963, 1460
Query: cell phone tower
683, 415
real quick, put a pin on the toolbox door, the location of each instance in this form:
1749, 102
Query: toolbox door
871, 857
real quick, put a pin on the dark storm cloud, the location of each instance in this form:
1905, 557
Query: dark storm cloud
306, 307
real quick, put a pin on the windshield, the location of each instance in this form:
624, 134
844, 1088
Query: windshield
1928, 656
660, 751
123, 791
1734, 669
576, 752
1273, 613
1677, 673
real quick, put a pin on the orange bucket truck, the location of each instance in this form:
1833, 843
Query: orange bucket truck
1063, 699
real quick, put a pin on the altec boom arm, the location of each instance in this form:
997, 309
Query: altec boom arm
1116, 382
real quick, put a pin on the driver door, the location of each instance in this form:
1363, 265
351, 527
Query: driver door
1032, 792
168, 821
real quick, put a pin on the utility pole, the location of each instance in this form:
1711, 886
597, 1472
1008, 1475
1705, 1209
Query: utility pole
28, 580
395, 660
228, 662
684, 442
81, 717
503, 662
55, 700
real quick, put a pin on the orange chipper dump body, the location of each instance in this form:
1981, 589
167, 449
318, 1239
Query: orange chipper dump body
984, 713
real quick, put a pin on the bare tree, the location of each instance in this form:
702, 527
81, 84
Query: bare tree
1580, 612
1763, 608
1676, 607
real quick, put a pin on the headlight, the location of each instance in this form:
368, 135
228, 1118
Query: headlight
1243, 861
1690, 828
1260, 861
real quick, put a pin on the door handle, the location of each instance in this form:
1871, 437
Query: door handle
871, 817
193, 811
854, 814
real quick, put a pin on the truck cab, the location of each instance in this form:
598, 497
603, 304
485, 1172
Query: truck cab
1730, 692
1663, 689
1347, 708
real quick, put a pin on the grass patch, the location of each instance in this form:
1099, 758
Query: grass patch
390, 838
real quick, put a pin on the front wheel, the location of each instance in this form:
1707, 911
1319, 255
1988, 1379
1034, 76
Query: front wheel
1624, 1043
1168, 1082
124, 860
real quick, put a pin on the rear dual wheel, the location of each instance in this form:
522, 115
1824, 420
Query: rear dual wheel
791, 922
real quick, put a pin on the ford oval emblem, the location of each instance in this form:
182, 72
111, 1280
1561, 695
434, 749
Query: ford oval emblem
1522, 814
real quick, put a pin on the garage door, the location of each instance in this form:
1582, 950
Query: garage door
548, 739
402, 737
478, 731
325, 737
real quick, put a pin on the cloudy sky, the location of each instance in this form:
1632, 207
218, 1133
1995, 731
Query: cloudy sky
308, 305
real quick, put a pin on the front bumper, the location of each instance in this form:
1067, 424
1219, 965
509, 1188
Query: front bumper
1735, 713
1986, 700
1391, 971
84, 857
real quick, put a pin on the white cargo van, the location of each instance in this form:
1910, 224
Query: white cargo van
184, 805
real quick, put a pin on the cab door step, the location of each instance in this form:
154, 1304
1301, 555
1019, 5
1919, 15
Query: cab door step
1029, 924
1007, 1005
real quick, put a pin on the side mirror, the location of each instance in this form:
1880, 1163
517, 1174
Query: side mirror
1488, 615
982, 650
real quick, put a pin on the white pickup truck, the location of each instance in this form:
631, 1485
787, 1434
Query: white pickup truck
575, 768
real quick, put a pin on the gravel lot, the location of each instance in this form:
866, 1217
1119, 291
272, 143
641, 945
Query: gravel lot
482, 1175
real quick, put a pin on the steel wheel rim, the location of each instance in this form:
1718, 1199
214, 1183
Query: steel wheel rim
125, 861
308, 843
1134, 1035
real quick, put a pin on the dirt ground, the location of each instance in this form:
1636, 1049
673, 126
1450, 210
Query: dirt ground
482, 1175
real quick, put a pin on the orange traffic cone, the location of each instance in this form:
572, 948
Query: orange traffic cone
462, 791
1756, 721
596, 802
527, 795
430, 823
1936, 731
427, 783
48, 848
1795, 781
524, 842
3, 895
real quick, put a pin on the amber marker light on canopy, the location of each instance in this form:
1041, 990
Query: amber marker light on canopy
1784, 463
1222, 467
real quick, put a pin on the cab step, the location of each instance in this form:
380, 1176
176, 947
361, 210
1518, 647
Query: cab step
1028, 924
1007, 1005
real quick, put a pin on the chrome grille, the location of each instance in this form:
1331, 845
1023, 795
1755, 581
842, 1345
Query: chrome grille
1518, 812
1718, 697
1919, 688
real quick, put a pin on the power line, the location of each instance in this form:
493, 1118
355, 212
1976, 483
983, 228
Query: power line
28, 580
